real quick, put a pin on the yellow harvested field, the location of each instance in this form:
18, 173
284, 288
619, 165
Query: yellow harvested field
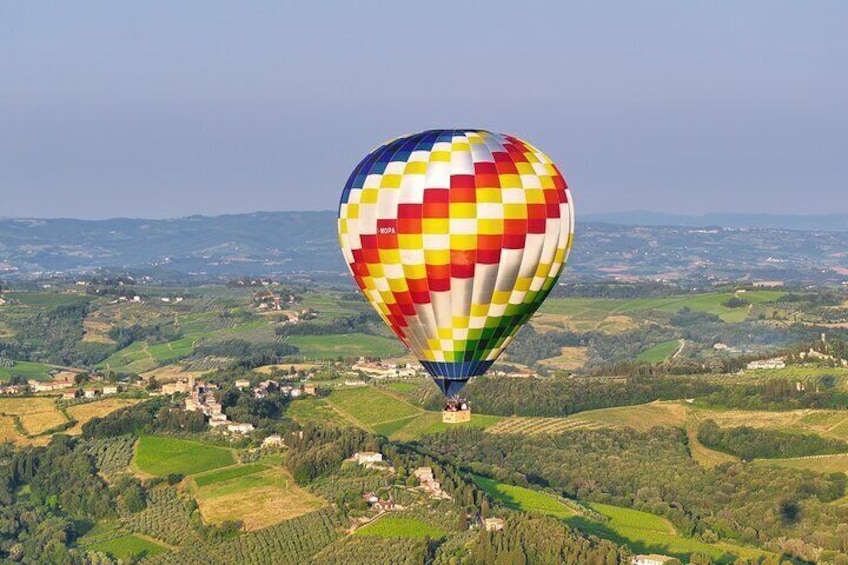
170, 373
266, 369
259, 500
642, 417
18, 406
617, 324
570, 358
38, 422
8, 431
82, 413
40, 413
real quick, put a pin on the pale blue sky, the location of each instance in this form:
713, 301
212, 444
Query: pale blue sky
164, 109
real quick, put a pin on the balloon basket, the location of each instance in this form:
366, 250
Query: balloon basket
456, 411
457, 417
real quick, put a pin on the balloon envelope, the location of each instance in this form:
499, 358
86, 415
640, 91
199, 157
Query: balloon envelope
456, 237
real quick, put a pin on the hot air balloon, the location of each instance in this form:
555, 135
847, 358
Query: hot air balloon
456, 237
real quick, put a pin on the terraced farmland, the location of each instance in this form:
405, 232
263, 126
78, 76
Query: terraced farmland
837, 463
642, 417
537, 426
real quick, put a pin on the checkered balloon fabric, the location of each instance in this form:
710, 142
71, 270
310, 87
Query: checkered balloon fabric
456, 237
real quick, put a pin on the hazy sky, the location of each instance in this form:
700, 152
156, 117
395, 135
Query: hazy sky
164, 109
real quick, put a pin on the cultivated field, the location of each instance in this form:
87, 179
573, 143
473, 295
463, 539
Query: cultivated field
369, 406
642, 417
660, 352
257, 495
536, 426
162, 456
37, 371
314, 410
226, 474
429, 423
128, 547
34, 414
524, 499
819, 463
85, 412
386, 413
139, 357
348, 345
393, 526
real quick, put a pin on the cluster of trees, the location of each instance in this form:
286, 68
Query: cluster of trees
751, 443
736, 302
539, 539
264, 413
65, 492
156, 333
562, 396
317, 450
779, 394
53, 335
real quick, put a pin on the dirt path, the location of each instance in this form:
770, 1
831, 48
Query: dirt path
682, 343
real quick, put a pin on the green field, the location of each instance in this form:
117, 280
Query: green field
37, 371
400, 527
240, 482
379, 411
370, 406
404, 386
162, 456
524, 499
139, 356
660, 352
128, 547
641, 531
305, 410
226, 474
430, 423
348, 345
134, 357
173, 350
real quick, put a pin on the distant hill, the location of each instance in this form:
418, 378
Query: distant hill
304, 244
822, 222
281, 242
